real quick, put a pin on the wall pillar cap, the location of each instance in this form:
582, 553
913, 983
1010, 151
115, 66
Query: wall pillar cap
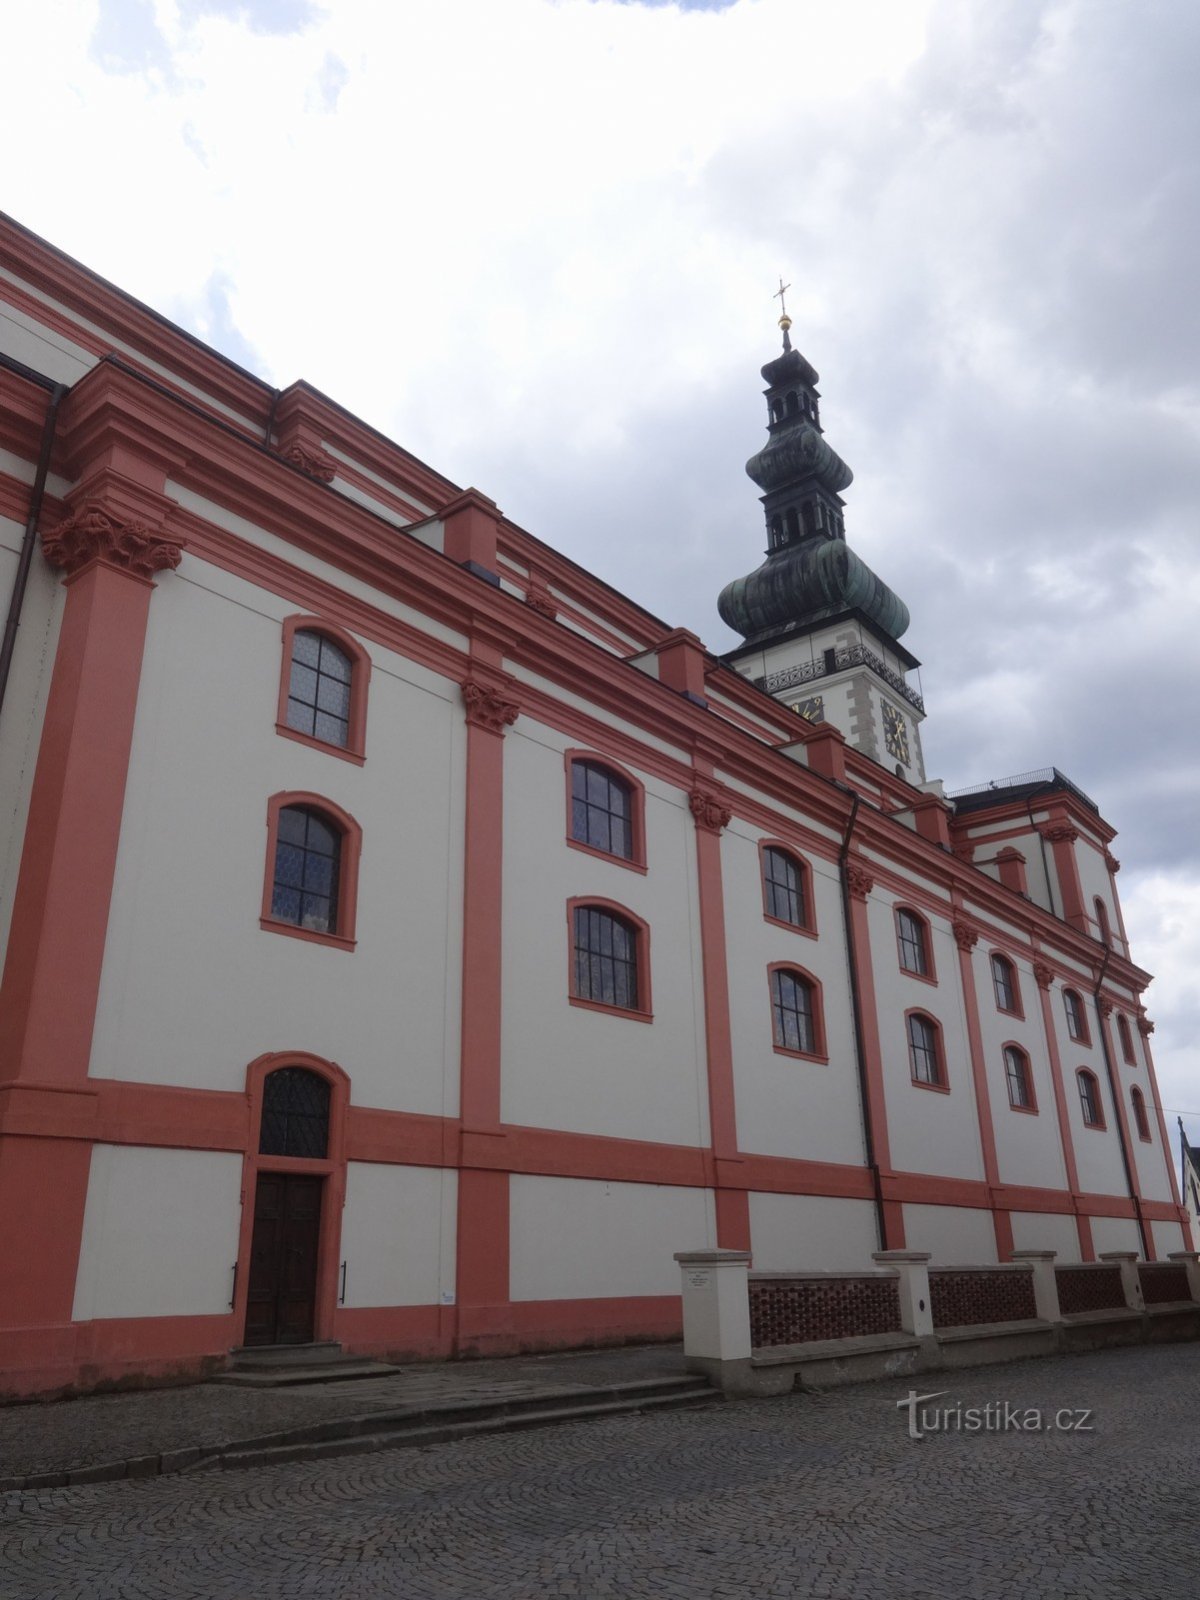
1032, 1255
1118, 1255
1183, 1255
712, 1258
901, 1255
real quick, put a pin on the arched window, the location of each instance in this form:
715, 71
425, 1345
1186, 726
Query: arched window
609, 958
295, 1114
925, 1058
1089, 1099
323, 688
1126, 1038
912, 937
796, 1021
793, 523
1140, 1118
1102, 928
776, 531
793, 404
1004, 982
312, 869
785, 891
1076, 1017
1019, 1078
602, 810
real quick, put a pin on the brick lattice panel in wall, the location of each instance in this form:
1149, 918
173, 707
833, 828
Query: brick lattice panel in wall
800, 1310
1164, 1281
1089, 1289
959, 1299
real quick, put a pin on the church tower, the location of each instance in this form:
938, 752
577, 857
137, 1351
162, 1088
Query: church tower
821, 630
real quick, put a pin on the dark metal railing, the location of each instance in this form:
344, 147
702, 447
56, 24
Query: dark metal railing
856, 655
1022, 780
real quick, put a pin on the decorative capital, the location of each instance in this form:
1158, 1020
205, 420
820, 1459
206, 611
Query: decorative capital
963, 849
858, 880
537, 598
1106, 1007
710, 812
92, 533
310, 462
1061, 833
1042, 974
965, 936
487, 708
1144, 1026
1111, 862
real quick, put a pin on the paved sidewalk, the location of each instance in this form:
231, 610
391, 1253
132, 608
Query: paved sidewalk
61, 1434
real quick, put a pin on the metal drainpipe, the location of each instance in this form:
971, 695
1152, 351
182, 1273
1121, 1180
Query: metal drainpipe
29, 539
1114, 1089
856, 1011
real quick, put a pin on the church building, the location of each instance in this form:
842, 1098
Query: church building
411, 942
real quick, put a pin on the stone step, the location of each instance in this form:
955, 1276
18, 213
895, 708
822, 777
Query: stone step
250, 1356
281, 1376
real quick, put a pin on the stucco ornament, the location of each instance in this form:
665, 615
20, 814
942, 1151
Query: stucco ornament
93, 533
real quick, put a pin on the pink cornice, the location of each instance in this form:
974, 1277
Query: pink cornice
94, 533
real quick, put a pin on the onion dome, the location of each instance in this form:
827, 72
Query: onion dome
810, 573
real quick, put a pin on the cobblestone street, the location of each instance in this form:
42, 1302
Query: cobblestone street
822, 1495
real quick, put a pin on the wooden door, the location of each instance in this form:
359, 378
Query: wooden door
282, 1293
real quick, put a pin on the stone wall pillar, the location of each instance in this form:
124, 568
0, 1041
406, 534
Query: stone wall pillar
1127, 1260
716, 1305
1191, 1260
1045, 1283
912, 1267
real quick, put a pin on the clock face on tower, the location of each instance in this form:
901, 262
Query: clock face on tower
813, 709
895, 734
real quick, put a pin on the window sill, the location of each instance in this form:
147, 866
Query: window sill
1005, 1011
920, 977
1096, 1127
934, 1088
1026, 1111
611, 1011
337, 940
792, 927
801, 1055
631, 863
343, 752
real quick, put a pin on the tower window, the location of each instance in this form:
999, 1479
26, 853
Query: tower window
1126, 1039
1076, 1020
323, 688
795, 1012
925, 1052
784, 890
1019, 1079
793, 405
609, 958
601, 810
1004, 983
1102, 927
912, 938
1141, 1120
1089, 1099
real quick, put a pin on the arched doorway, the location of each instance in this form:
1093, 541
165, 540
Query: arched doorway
291, 1248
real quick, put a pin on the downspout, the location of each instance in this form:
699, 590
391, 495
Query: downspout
29, 539
1114, 1089
856, 1010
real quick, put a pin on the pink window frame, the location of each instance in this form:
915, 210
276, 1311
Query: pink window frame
939, 1047
348, 864
1125, 1035
1141, 1119
644, 1011
927, 939
1018, 1008
821, 1053
1031, 1110
807, 929
637, 809
1086, 1036
1080, 1074
1104, 930
355, 748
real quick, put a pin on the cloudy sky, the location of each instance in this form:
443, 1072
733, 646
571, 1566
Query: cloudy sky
535, 241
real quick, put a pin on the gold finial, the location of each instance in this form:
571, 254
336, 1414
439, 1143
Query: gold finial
785, 322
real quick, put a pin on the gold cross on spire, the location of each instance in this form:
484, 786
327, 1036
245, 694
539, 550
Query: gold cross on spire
785, 321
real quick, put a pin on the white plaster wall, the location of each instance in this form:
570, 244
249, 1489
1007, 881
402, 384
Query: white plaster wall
1115, 1233
160, 1233
787, 1106
811, 1232
192, 988
957, 1236
1028, 1147
928, 1131
1046, 1230
568, 1066
24, 704
398, 1234
583, 1239
1168, 1236
1097, 1151
1153, 1165
42, 348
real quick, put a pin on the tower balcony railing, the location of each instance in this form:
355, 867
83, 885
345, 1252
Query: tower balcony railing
855, 656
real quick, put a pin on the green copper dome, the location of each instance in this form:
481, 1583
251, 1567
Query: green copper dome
807, 582
810, 573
